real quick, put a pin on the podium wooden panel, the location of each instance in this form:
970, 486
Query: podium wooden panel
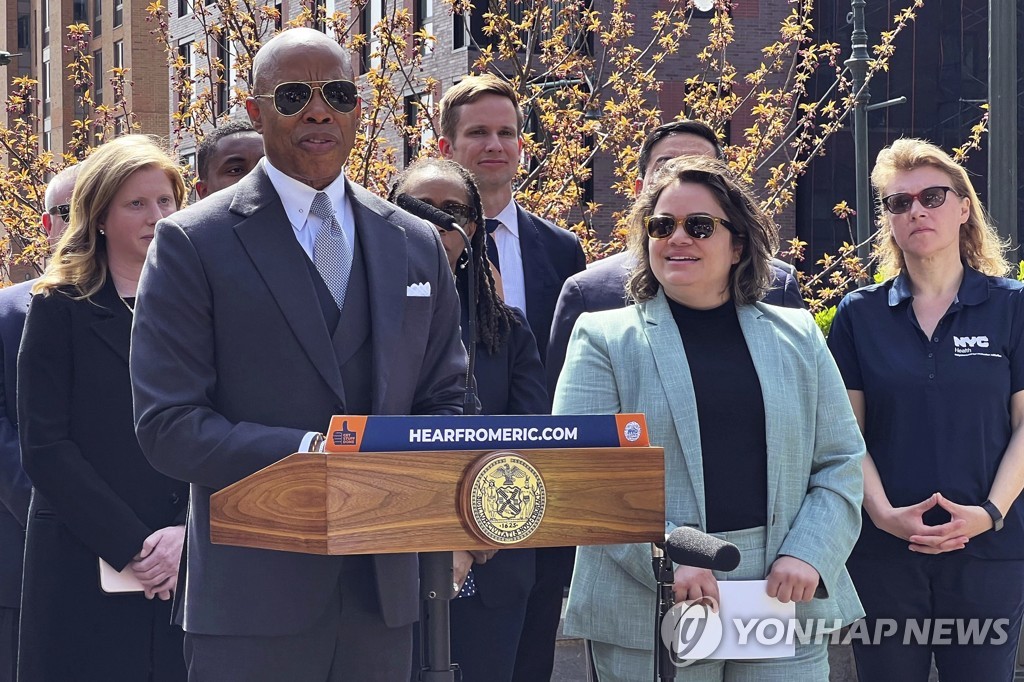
383, 502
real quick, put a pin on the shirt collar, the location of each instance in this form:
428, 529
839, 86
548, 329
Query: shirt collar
509, 217
297, 196
973, 288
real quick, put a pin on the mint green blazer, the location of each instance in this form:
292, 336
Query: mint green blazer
632, 360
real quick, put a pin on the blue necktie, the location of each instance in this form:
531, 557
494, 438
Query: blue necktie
331, 253
491, 225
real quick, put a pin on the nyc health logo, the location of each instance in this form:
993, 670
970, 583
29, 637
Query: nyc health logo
693, 631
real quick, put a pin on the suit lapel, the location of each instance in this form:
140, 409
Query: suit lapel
536, 270
267, 237
113, 321
386, 255
763, 345
674, 373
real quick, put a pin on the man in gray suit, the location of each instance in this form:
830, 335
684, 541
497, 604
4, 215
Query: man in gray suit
262, 311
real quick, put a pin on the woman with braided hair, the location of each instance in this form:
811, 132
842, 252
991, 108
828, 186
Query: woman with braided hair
487, 614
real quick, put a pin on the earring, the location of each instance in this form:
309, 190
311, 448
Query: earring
102, 232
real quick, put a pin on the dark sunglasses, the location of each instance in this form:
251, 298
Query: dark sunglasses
292, 98
461, 214
697, 225
63, 210
930, 197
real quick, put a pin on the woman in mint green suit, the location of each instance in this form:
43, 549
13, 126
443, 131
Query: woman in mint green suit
761, 446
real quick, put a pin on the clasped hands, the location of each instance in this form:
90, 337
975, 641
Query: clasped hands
156, 565
907, 523
790, 579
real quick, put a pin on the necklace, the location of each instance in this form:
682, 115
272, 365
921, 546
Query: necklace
127, 305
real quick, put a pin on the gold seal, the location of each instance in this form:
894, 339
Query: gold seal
504, 501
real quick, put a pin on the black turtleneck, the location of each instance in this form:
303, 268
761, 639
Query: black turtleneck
730, 412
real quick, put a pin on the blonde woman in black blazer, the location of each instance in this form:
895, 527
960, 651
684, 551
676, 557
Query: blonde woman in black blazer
94, 494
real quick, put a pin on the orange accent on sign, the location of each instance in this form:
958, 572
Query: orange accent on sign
345, 433
632, 428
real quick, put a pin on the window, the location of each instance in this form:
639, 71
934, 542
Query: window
44, 83
119, 54
186, 54
184, 7
118, 13
417, 108
46, 141
97, 18
79, 11
319, 15
424, 20
24, 32
97, 77
44, 9
223, 78
279, 21
373, 13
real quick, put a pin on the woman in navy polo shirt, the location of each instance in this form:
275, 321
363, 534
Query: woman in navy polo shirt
934, 367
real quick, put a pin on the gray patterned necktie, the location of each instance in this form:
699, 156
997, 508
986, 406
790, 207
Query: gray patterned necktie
331, 253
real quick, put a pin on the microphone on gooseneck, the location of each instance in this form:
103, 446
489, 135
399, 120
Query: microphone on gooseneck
690, 547
422, 209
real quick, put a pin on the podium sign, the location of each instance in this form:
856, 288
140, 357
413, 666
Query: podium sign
385, 502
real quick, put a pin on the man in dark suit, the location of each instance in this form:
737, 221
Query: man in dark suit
602, 286
15, 488
226, 155
481, 129
263, 310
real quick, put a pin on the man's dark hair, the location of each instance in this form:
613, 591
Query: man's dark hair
683, 127
208, 145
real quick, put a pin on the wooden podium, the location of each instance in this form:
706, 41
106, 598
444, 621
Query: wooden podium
383, 502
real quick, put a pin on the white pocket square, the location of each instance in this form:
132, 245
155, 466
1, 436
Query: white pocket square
418, 289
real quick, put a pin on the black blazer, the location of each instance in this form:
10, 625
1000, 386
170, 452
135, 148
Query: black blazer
15, 487
602, 286
232, 365
94, 495
550, 255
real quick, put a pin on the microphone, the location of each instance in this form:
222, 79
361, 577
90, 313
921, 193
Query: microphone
422, 209
690, 547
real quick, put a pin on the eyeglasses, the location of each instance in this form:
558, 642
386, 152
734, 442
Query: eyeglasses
63, 210
292, 98
930, 197
461, 214
697, 225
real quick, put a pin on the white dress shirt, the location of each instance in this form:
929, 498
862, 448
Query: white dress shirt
510, 256
297, 197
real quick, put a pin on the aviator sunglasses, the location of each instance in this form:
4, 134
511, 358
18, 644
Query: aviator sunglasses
461, 214
63, 210
697, 225
930, 197
291, 98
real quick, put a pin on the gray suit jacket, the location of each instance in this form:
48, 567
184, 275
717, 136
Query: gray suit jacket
632, 360
232, 364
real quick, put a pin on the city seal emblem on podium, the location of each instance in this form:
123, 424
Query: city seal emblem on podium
506, 499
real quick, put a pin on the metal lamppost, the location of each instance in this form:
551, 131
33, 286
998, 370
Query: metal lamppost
858, 65
1002, 101
6, 57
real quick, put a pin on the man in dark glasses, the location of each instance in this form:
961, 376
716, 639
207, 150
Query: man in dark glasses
15, 487
262, 311
603, 285
226, 155
481, 130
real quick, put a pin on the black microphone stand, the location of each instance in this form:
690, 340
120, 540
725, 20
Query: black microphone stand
436, 578
664, 666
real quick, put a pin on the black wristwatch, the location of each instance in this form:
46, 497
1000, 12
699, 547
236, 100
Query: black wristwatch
993, 511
